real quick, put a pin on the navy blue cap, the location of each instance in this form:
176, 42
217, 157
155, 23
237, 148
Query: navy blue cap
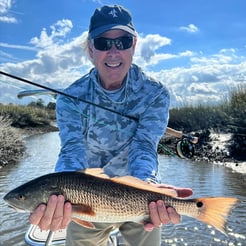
111, 17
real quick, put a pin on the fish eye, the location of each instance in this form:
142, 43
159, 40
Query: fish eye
21, 197
199, 204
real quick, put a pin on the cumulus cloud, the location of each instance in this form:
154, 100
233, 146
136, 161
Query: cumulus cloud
5, 6
199, 83
191, 28
60, 29
147, 50
148, 45
59, 61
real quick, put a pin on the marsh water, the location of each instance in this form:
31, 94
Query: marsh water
205, 179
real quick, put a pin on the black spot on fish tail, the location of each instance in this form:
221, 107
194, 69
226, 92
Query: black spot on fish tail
199, 204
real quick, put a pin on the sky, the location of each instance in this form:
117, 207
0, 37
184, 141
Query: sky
196, 48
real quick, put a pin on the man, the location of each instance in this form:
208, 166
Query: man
118, 130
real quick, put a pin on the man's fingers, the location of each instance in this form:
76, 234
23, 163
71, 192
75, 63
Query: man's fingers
66, 215
163, 213
173, 215
184, 192
36, 216
58, 214
45, 221
158, 213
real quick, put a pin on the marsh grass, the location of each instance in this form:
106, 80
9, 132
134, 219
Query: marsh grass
13, 118
227, 117
11, 144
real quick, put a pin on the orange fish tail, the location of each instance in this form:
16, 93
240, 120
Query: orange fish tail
215, 210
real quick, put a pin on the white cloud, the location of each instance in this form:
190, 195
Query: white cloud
201, 83
191, 28
7, 19
146, 53
60, 61
14, 46
60, 29
5, 6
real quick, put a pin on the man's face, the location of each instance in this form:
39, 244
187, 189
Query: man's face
112, 64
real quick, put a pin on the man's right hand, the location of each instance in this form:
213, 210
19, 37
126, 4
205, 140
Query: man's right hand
53, 216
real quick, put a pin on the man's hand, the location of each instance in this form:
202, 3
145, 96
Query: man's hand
160, 214
56, 215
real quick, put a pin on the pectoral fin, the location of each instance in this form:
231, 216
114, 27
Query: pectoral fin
78, 210
86, 224
81, 209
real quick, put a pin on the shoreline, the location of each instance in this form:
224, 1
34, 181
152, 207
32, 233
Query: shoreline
212, 148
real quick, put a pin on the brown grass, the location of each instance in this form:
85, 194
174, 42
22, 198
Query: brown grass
11, 144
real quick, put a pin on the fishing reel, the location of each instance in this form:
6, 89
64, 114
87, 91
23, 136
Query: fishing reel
185, 148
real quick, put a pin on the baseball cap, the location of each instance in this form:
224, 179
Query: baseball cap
110, 17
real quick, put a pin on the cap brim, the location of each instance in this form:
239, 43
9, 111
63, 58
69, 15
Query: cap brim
98, 31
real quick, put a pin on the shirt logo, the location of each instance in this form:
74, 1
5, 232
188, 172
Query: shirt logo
113, 12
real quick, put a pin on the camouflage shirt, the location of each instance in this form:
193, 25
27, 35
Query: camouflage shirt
122, 143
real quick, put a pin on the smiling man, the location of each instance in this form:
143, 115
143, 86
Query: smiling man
118, 130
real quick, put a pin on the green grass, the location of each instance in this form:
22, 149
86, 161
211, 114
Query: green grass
11, 144
13, 117
27, 116
228, 116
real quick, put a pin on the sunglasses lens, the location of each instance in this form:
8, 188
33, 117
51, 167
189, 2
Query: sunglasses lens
102, 44
121, 43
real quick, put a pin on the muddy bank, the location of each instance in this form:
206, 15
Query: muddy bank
213, 148
12, 141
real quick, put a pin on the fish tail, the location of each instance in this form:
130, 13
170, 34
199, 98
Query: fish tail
215, 210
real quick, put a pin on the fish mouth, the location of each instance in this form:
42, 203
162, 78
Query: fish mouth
19, 210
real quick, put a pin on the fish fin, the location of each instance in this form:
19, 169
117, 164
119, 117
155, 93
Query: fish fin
215, 210
84, 223
97, 172
130, 181
142, 185
82, 209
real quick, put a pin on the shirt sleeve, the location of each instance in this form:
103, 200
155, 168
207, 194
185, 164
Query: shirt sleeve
143, 156
72, 155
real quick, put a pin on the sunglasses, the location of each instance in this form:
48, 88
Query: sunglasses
121, 43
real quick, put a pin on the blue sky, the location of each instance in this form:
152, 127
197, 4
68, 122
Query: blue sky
196, 48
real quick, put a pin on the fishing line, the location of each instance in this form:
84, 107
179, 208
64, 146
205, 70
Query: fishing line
67, 95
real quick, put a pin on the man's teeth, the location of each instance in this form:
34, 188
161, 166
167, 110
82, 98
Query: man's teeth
113, 64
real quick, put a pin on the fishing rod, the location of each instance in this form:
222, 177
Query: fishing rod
185, 146
67, 95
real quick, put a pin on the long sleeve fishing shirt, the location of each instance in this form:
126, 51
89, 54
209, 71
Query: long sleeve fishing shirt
122, 140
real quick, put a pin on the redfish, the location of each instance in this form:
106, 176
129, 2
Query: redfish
98, 198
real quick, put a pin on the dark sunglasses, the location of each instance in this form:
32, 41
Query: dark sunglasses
121, 43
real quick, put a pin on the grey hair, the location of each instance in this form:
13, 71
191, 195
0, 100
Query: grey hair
86, 45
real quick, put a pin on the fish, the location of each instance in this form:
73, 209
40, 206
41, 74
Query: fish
95, 197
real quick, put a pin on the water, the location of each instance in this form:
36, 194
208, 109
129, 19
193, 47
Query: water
203, 178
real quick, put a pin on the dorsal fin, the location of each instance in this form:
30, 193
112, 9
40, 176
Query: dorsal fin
131, 181
140, 184
97, 172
